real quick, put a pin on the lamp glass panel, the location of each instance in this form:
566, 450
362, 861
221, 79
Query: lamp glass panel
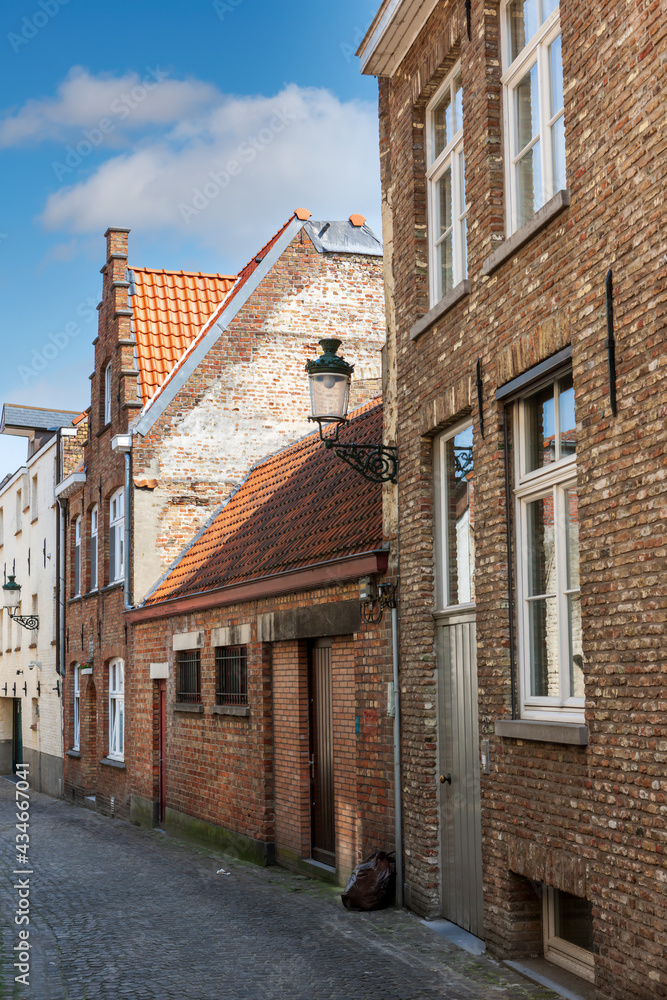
329, 395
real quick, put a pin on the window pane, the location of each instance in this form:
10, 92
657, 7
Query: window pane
460, 527
458, 106
444, 203
522, 16
573, 919
541, 552
446, 265
556, 69
568, 427
543, 648
558, 140
576, 649
548, 7
441, 122
572, 541
526, 107
540, 429
529, 184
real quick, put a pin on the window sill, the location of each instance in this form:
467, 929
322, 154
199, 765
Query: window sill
110, 586
242, 710
110, 762
33, 645
439, 310
73, 753
186, 707
103, 430
543, 732
513, 243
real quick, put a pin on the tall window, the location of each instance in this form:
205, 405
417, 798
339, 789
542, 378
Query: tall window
116, 709
77, 709
93, 547
33, 498
117, 536
534, 112
189, 676
547, 516
231, 675
77, 557
19, 510
455, 518
446, 188
2, 526
107, 394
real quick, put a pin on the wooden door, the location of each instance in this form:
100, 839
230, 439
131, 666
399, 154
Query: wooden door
323, 836
459, 778
17, 736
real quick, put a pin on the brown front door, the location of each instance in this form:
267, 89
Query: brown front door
323, 840
162, 750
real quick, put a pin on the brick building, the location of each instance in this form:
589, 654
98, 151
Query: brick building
196, 378
522, 151
259, 694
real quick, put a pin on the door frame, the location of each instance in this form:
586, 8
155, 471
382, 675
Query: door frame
17, 734
162, 750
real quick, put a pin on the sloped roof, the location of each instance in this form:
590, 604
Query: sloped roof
209, 318
299, 508
343, 237
22, 420
169, 309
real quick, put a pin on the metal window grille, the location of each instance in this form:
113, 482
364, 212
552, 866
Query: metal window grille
231, 675
189, 676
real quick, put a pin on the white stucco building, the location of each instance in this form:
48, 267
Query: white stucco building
30, 685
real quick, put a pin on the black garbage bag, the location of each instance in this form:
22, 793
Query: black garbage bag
372, 884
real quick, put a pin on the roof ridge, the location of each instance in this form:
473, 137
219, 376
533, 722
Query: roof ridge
190, 274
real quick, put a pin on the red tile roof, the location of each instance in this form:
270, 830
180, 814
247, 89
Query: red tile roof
213, 314
301, 507
169, 309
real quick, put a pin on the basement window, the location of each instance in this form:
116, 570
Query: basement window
567, 924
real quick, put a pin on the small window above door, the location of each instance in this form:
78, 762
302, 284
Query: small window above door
454, 518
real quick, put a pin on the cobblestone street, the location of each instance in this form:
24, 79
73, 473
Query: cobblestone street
120, 912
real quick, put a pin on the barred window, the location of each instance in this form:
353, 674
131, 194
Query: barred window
189, 676
231, 675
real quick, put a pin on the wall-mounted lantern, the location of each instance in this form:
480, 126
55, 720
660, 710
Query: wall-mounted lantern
11, 600
330, 377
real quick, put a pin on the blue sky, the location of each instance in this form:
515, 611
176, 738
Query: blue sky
129, 114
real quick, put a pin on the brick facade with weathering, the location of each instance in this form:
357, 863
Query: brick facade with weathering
245, 395
299, 764
587, 820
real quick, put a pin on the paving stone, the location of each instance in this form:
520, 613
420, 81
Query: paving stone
120, 912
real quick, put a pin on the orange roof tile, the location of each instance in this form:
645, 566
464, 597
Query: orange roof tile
301, 507
213, 314
169, 309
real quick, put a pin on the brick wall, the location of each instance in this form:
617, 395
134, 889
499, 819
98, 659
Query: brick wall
601, 807
251, 775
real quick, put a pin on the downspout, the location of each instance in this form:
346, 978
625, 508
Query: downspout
128, 500
398, 819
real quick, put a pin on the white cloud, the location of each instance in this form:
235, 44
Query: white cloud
132, 101
219, 175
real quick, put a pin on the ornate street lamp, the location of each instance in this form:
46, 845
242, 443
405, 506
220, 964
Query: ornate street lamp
329, 377
11, 599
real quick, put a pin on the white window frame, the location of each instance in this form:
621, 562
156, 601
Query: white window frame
551, 480
452, 156
559, 951
94, 547
535, 51
107, 394
441, 522
77, 557
117, 554
76, 742
117, 709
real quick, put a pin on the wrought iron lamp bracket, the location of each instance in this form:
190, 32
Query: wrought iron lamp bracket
376, 462
27, 621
